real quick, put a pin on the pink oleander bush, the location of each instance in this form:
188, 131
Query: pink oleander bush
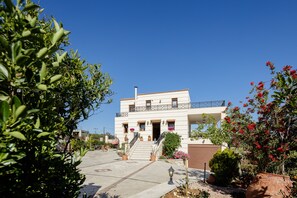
181, 155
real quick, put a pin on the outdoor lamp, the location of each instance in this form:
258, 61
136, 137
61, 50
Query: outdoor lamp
171, 171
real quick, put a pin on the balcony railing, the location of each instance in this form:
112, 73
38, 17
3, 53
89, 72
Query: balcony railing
192, 105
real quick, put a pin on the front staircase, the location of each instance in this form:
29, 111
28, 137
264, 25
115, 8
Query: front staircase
141, 150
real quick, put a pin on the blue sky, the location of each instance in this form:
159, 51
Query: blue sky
214, 48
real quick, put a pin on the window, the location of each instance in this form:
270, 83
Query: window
148, 104
131, 108
125, 128
142, 126
171, 126
174, 103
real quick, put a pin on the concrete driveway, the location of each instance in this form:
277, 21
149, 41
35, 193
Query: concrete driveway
109, 176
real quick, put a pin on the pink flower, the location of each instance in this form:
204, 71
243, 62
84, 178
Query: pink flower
252, 83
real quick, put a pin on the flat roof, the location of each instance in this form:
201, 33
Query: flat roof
154, 93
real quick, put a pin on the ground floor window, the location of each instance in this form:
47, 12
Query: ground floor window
171, 126
142, 126
125, 128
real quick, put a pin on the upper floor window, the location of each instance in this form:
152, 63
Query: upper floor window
148, 104
142, 126
131, 108
174, 103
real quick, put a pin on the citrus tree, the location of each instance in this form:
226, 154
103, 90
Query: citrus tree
45, 92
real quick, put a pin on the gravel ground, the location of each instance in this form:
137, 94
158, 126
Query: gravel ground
219, 192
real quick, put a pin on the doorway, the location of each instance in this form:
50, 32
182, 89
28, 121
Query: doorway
156, 130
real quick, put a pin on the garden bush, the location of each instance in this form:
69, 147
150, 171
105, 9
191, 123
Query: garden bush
171, 143
224, 165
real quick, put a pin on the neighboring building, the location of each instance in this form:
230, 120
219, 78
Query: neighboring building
153, 113
80, 134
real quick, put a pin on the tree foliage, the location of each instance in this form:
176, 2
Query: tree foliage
44, 92
266, 125
171, 142
210, 130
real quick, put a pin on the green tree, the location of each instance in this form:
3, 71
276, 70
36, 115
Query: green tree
171, 142
211, 130
45, 92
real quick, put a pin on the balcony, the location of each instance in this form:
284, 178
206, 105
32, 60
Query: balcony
192, 105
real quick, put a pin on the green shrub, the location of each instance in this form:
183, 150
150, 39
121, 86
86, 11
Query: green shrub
224, 165
171, 143
77, 144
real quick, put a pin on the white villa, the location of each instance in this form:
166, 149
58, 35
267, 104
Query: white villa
154, 113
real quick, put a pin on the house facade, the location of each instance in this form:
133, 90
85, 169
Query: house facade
154, 113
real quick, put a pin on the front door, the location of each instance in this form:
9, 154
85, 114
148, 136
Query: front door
156, 131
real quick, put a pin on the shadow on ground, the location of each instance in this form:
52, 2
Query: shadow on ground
88, 190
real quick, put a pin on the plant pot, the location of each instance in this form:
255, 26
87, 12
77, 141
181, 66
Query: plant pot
269, 185
124, 157
211, 179
149, 138
153, 158
126, 138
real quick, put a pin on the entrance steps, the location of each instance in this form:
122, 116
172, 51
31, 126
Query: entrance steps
141, 151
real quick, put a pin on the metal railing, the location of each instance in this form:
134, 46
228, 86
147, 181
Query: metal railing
135, 138
192, 105
157, 146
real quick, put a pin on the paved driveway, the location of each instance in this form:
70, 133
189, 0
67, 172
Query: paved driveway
108, 176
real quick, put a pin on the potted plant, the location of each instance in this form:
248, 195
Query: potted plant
124, 156
265, 127
171, 128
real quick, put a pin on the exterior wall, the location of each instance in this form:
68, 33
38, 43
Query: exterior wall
182, 117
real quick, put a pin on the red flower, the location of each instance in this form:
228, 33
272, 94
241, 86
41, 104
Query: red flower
260, 95
229, 103
258, 146
228, 120
252, 83
241, 131
251, 126
245, 105
280, 149
287, 68
267, 132
260, 86
271, 157
251, 100
236, 108
269, 64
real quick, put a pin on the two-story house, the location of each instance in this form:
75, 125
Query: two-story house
153, 113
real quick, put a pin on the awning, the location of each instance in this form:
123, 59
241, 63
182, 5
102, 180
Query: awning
141, 121
170, 120
156, 121
124, 123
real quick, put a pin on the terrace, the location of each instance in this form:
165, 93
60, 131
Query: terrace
165, 107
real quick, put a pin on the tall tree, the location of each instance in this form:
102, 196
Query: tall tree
45, 92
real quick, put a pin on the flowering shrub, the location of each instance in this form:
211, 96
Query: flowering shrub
181, 155
266, 125
170, 128
131, 129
